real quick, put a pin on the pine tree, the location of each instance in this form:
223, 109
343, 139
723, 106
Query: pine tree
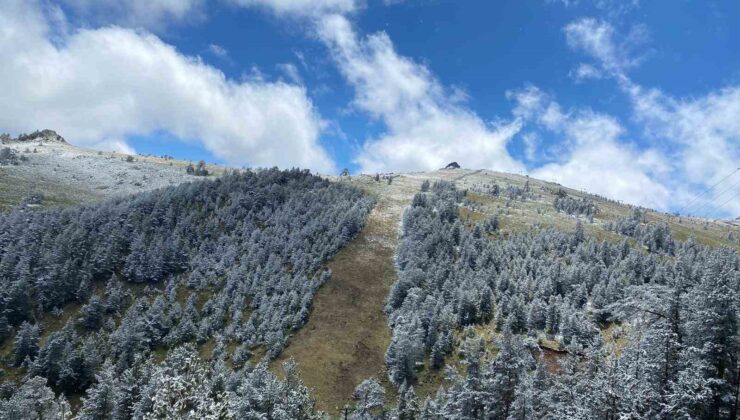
370, 397
4, 329
115, 295
579, 236
99, 400
26, 343
92, 313
510, 364
34, 400
407, 404
404, 352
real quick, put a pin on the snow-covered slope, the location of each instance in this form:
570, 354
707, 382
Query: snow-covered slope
65, 174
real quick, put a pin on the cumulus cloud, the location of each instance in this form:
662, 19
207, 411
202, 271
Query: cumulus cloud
150, 14
592, 153
610, 169
427, 126
705, 134
700, 134
599, 161
98, 86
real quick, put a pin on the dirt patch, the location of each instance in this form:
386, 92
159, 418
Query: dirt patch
552, 359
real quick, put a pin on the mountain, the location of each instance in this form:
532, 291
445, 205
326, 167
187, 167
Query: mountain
132, 288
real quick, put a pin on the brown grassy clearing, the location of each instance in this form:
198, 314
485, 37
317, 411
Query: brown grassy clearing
347, 334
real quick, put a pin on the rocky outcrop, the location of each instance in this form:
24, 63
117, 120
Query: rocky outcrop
43, 135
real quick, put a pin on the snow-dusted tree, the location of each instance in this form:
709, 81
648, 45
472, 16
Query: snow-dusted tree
370, 398
92, 313
33, 400
407, 406
26, 343
99, 402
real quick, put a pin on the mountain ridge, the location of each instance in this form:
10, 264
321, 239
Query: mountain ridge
53, 147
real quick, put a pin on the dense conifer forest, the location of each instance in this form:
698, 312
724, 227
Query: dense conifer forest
170, 304
647, 331
230, 263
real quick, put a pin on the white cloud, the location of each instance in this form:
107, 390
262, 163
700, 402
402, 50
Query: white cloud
291, 72
218, 50
597, 39
610, 169
530, 146
553, 117
426, 125
150, 14
108, 83
529, 100
592, 154
534, 104
612, 8
701, 134
301, 8
116, 145
585, 71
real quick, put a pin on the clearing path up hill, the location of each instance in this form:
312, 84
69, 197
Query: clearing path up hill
347, 334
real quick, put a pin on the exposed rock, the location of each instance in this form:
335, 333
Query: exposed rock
452, 165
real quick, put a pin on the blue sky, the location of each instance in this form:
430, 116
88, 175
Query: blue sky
635, 100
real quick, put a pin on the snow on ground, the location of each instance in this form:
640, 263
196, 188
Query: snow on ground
96, 173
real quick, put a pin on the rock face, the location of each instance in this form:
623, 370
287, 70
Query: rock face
452, 165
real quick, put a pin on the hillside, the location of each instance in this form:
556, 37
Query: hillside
65, 175
361, 277
61, 174
214, 267
353, 340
